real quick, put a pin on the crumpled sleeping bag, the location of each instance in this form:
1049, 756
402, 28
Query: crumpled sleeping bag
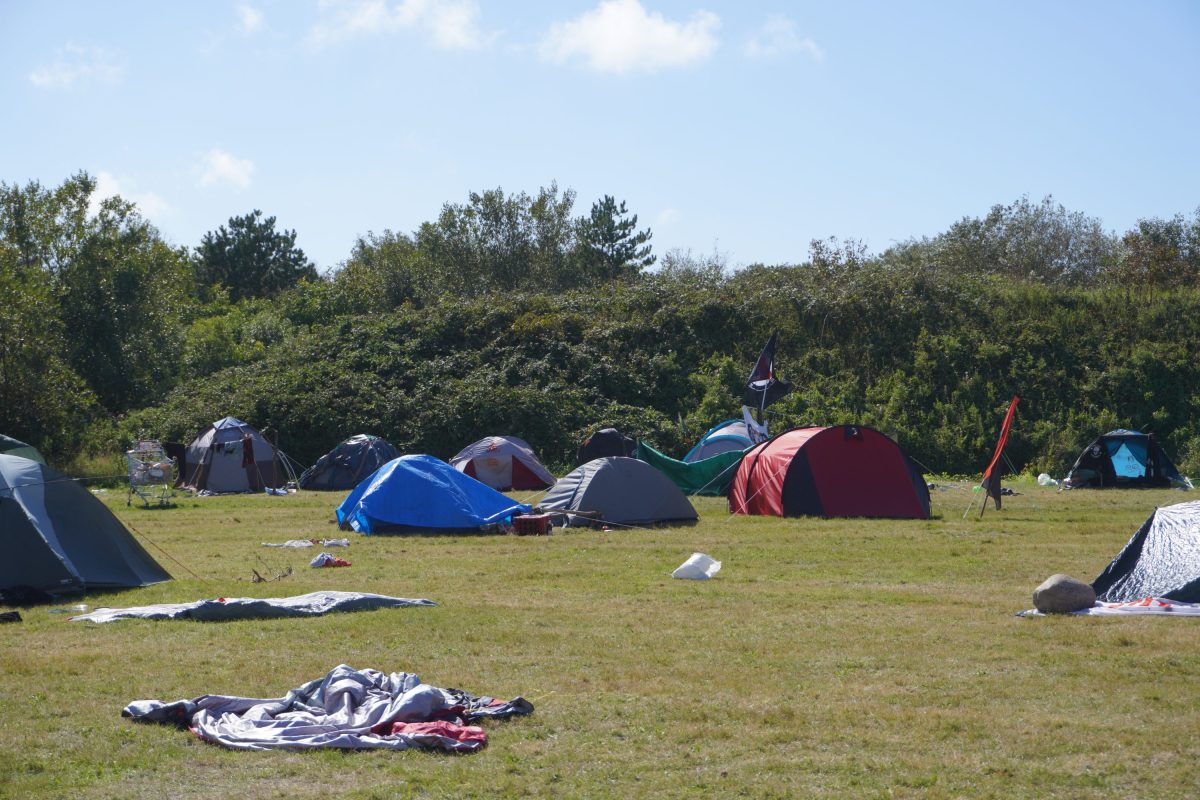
348, 709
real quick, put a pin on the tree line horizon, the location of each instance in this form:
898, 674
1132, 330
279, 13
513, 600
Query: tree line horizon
514, 314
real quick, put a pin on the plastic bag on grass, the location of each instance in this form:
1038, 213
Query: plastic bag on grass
697, 568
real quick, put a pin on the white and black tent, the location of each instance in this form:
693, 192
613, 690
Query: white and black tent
57, 537
1162, 559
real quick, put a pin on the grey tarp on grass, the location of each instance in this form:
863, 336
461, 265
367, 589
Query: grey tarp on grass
229, 608
622, 491
348, 709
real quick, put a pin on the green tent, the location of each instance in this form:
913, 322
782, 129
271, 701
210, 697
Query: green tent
710, 476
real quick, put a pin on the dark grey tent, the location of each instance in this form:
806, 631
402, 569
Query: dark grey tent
618, 490
15, 447
1161, 560
57, 537
343, 467
1124, 459
604, 443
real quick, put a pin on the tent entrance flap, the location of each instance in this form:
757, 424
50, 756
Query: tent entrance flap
1128, 458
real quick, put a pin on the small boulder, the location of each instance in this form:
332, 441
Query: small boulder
1062, 594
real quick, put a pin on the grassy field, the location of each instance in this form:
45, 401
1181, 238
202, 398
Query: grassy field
828, 658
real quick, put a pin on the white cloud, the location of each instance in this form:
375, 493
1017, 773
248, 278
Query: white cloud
452, 24
620, 36
78, 65
149, 204
250, 19
220, 168
778, 37
668, 216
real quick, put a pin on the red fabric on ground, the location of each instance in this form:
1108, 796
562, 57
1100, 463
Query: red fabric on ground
449, 730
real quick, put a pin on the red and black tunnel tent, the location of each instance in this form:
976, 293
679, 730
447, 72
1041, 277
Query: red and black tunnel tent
838, 471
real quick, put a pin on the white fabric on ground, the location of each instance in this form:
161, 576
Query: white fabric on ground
1148, 606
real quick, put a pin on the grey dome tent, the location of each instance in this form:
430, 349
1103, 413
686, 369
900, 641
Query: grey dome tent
15, 447
618, 490
230, 456
1124, 459
58, 537
1162, 559
343, 467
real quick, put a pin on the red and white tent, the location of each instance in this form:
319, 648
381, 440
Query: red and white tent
503, 463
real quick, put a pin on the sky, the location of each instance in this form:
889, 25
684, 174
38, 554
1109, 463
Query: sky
741, 129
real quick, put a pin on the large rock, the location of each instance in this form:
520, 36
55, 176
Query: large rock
1062, 594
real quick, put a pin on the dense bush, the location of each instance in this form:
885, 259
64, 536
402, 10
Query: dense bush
931, 361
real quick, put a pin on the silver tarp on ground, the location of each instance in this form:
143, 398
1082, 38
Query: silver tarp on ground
230, 608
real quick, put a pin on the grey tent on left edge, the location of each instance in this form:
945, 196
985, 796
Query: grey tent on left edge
1162, 559
622, 491
59, 538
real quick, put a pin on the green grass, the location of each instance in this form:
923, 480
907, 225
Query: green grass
828, 658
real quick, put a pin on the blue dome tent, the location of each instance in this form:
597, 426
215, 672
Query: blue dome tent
422, 493
730, 435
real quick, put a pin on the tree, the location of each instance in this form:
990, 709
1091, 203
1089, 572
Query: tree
44, 400
611, 246
503, 242
1161, 253
383, 272
251, 259
45, 227
1033, 242
121, 294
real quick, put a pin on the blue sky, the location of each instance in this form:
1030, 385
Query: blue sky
742, 127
